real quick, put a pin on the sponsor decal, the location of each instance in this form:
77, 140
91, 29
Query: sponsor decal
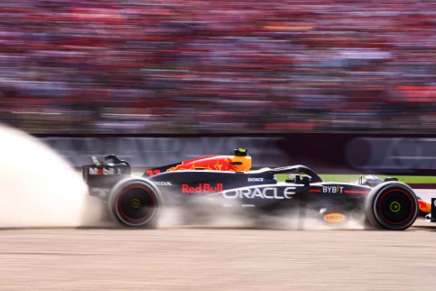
202, 188
334, 217
163, 183
255, 179
94, 171
261, 193
332, 189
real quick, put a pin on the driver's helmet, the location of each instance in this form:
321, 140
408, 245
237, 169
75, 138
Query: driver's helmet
370, 180
241, 161
240, 152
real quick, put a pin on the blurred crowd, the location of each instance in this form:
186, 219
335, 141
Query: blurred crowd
195, 66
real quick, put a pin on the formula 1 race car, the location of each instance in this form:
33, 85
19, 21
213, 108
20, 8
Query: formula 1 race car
229, 180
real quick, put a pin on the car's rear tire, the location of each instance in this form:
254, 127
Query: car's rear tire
391, 206
135, 203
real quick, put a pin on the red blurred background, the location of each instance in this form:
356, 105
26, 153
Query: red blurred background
187, 66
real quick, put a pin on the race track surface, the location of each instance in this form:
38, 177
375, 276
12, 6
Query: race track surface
217, 258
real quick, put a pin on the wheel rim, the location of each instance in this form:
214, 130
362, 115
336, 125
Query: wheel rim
395, 207
136, 205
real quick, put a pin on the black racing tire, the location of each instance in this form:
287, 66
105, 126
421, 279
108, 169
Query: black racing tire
391, 206
135, 203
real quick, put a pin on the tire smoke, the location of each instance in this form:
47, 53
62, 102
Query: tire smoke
37, 187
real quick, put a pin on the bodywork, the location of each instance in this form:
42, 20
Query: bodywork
262, 191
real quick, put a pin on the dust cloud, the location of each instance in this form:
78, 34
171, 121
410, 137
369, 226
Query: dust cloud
37, 187
210, 213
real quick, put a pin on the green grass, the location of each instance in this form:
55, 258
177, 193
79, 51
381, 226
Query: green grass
355, 177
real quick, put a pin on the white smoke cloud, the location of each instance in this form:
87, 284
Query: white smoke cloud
37, 187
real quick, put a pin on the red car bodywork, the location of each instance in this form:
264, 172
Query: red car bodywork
216, 163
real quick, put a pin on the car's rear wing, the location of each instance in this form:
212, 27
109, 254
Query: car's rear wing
103, 174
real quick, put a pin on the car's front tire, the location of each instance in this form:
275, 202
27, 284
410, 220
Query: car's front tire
391, 206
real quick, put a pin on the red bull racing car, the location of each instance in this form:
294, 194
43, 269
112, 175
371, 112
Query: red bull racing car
230, 181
